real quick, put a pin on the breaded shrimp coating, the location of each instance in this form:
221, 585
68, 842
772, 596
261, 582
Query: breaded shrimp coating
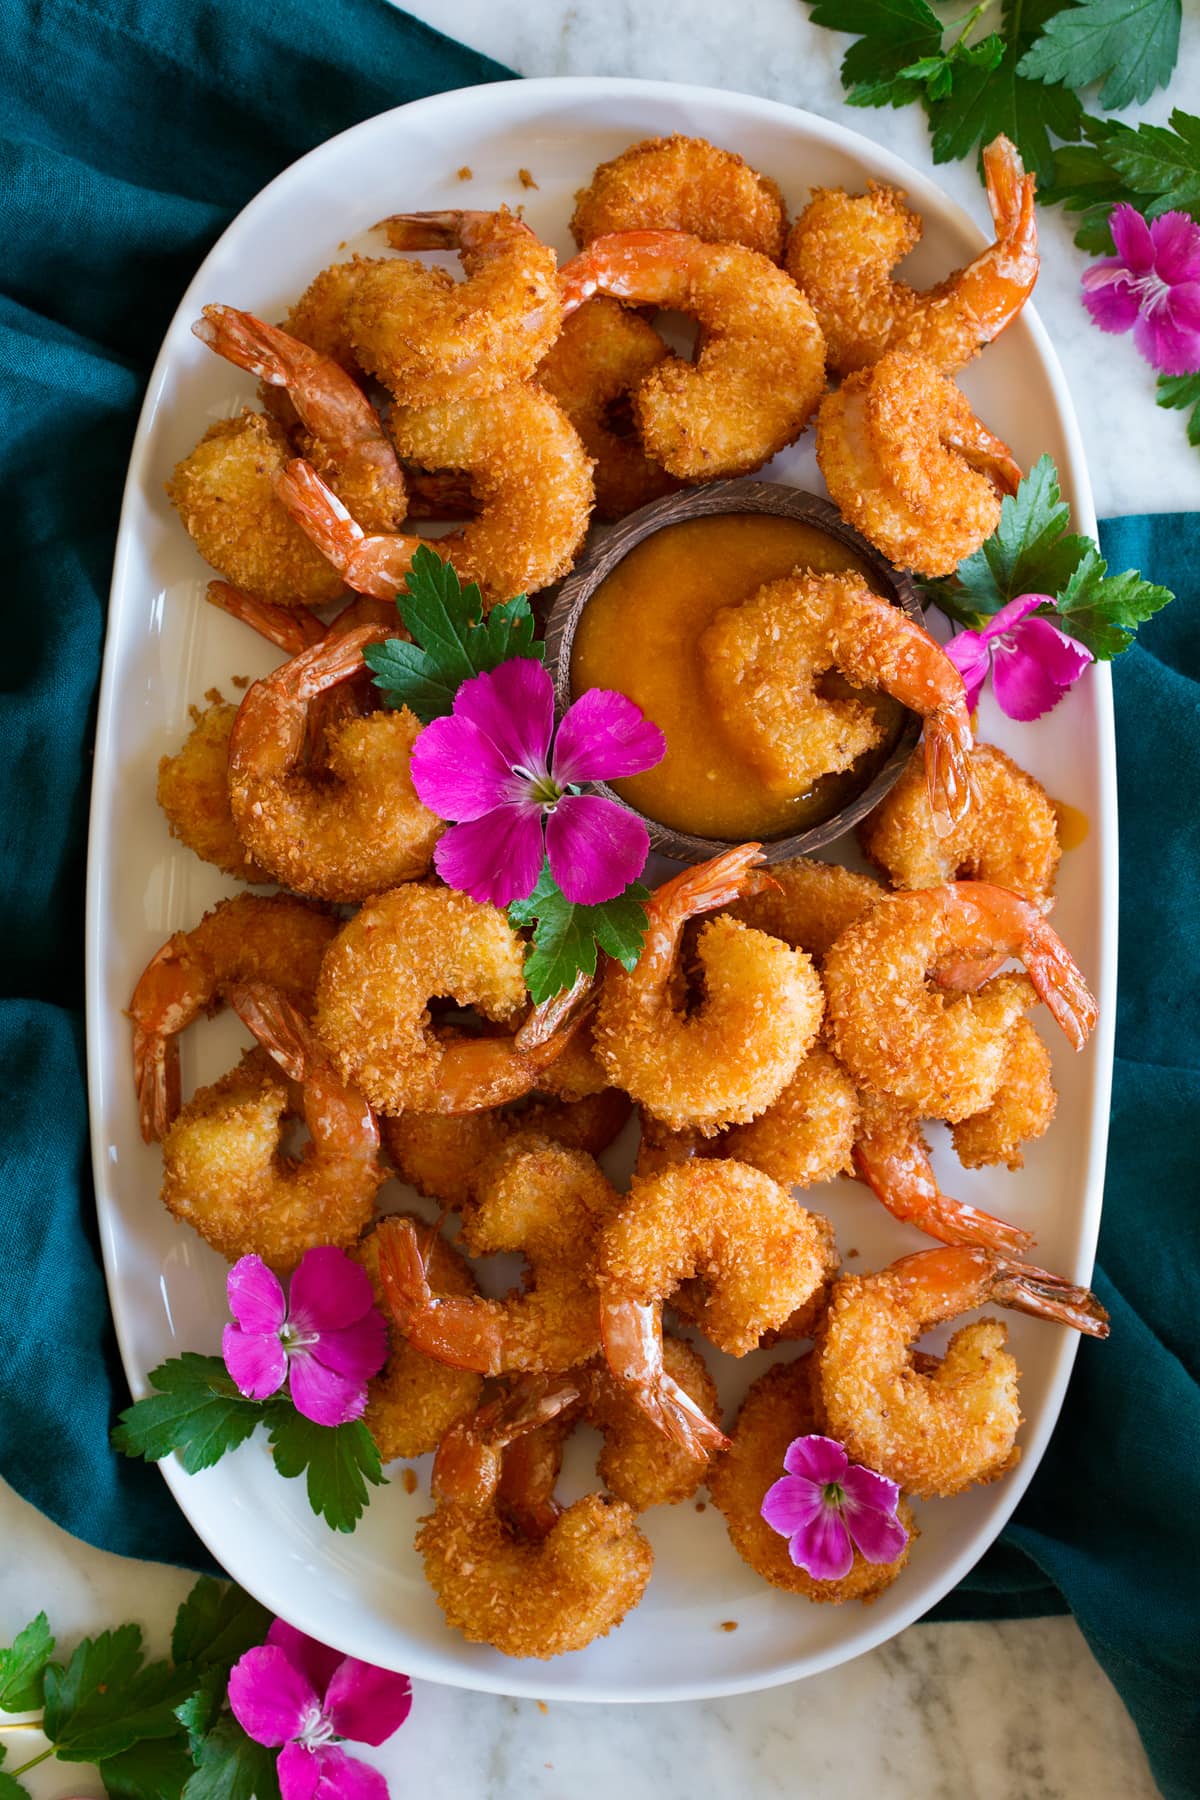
413, 1401
1021, 1108
193, 791
806, 1135
779, 1407
638, 1464
400, 951
683, 184
810, 904
753, 1254
224, 492
1009, 836
225, 1172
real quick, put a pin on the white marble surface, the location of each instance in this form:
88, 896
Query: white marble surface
1017, 1711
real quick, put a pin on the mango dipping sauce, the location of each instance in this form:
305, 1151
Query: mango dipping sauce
638, 633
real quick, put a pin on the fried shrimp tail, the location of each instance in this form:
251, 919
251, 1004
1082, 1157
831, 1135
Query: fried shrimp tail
632, 1338
370, 564
282, 626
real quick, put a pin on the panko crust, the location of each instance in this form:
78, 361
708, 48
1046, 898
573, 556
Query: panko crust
779, 1407
536, 1599
400, 951
224, 492
747, 1252
841, 252
1008, 836
683, 184
811, 905
193, 791
1022, 1108
413, 1401
806, 1135
224, 1173
638, 1463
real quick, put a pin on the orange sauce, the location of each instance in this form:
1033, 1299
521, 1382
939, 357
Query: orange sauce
1073, 825
639, 634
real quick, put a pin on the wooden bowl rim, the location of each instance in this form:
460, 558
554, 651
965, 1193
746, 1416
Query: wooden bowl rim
714, 498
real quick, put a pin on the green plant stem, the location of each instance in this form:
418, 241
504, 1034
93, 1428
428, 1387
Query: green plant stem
971, 20
31, 1764
24, 1725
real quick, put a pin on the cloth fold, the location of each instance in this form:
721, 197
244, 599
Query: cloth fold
129, 134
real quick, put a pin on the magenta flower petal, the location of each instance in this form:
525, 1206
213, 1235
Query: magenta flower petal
1176, 240
1013, 614
824, 1547
596, 848
327, 1774
513, 706
272, 1700
497, 858
862, 1487
878, 1536
366, 1703
328, 1291
791, 1504
457, 771
314, 1660
1034, 667
819, 1459
321, 1394
357, 1351
971, 656
604, 736
257, 1364
255, 1295
1132, 237
1169, 338
1109, 296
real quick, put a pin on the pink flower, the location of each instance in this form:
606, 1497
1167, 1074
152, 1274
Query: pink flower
1153, 285
294, 1692
327, 1341
827, 1506
1033, 663
489, 765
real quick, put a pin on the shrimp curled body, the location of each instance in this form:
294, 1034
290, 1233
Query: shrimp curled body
682, 184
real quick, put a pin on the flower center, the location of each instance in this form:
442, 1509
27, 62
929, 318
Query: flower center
542, 787
833, 1494
1152, 292
315, 1729
293, 1338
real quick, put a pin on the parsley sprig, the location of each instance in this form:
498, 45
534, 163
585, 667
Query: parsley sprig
151, 1729
198, 1413
566, 936
1031, 551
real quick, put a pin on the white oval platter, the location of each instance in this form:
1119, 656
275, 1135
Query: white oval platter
365, 1593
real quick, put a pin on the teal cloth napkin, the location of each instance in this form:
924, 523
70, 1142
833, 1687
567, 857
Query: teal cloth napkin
128, 137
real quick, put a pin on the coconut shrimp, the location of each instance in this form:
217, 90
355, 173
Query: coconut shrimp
526, 1595
443, 1155
760, 370
910, 466
252, 937
281, 625
344, 437
601, 357
1009, 836
892, 1157
763, 660
414, 1400
418, 943
683, 184
938, 1052
530, 475
939, 1430
193, 791
807, 1135
360, 828
224, 492
430, 339
843, 248
224, 1170
809, 903
780, 1406
1021, 1109
724, 1062
547, 1202
752, 1255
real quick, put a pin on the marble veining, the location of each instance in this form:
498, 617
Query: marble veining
1016, 1711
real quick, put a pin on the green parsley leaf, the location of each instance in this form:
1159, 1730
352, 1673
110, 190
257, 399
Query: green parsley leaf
1160, 163
566, 935
231, 1766
1103, 611
201, 1710
895, 34
10, 1787
338, 1460
1182, 392
1130, 45
23, 1665
1085, 183
104, 1701
987, 100
451, 639
937, 73
1030, 551
148, 1770
216, 1624
196, 1411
